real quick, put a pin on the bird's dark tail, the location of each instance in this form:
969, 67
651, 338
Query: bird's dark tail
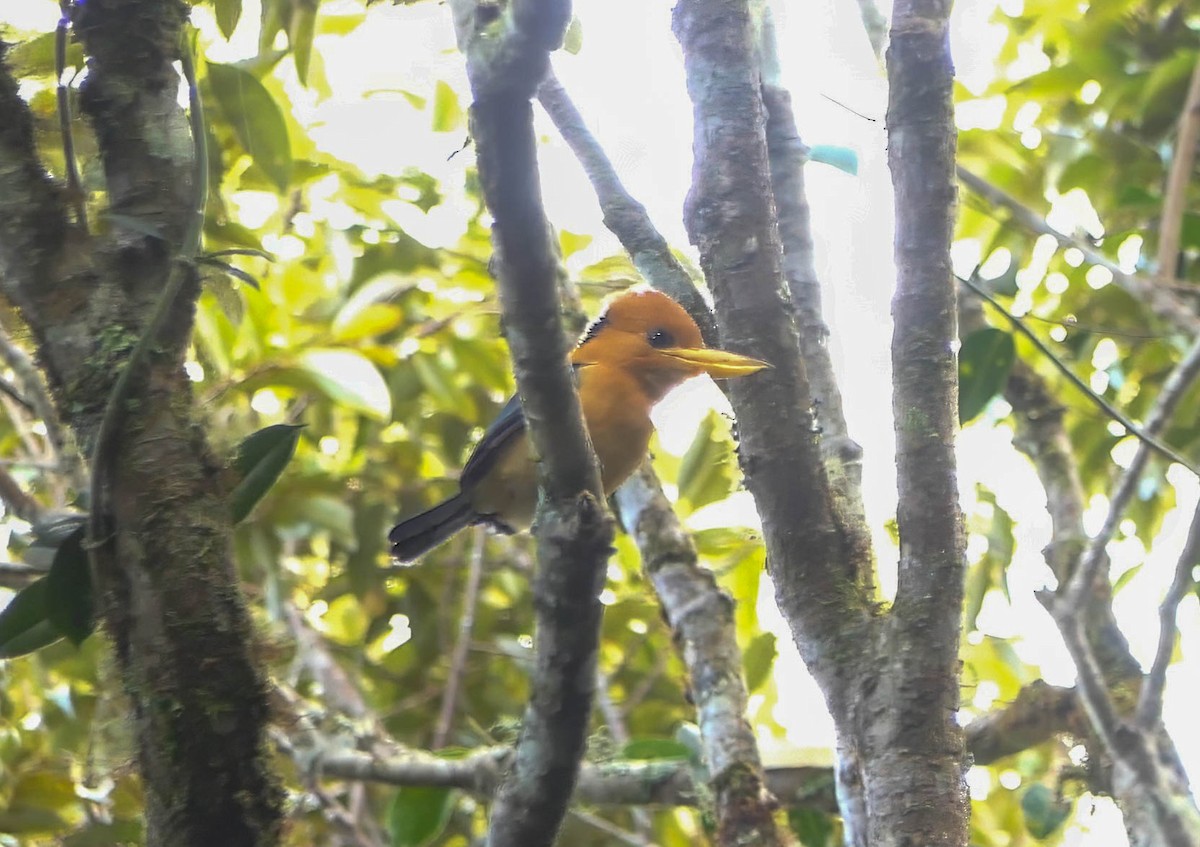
414, 537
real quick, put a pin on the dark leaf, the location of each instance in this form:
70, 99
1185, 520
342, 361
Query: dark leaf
984, 363
260, 460
758, 659
1044, 811
228, 13
655, 748
255, 118
24, 625
813, 828
69, 590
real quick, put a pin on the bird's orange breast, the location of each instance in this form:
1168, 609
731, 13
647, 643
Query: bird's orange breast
617, 414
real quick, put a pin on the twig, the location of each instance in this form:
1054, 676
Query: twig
610, 829
787, 155
62, 445
1180, 179
1143, 434
1155, 291
623, 214
614, 719
17, 575
1150, 700
74, 187
1083, 579
875, 25
466, 623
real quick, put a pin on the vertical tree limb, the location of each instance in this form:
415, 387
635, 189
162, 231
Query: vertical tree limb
913, 748
165, 588
730, 218
787, 155
506, 51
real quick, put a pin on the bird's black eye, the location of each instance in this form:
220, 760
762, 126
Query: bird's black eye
660, 338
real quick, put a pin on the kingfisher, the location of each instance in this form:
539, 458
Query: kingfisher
642, 346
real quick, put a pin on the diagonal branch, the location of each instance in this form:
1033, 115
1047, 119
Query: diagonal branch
458, 657
1159, 297
787, 156
1150, 700
701, 618
1180, 179
624, 216
506, 61
1109, 409
1074, 594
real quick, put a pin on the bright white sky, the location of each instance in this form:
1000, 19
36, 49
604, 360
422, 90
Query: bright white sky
628, 81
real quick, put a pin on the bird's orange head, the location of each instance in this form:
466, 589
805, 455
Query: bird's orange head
649, 335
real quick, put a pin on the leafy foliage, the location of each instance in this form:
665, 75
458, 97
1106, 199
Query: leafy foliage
360, 304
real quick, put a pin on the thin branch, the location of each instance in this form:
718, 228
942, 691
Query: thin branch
1175, 198
466, 623
1154, 291
17, 575
619, 835
701, 618
787, 155
1039, 713
506, 52
1074, 594
69, 462
875, 25
624, 216
1150, 700
74, 187
1112, 411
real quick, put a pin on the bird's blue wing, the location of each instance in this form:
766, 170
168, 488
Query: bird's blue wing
510, 423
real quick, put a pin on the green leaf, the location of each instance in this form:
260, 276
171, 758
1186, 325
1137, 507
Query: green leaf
24, 625
447, 113
842, 158
706, 473
1044, 811
256, 120
573, 38
260, 459
418, 815
300, 36
228, 13
69, 590
655, 748
35, 57
758, 659
107, 834
349, 378
813, 828
984, 362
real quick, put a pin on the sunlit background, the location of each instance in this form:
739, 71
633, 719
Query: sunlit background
628, 80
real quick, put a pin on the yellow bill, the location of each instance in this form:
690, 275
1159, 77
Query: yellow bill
718, 364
